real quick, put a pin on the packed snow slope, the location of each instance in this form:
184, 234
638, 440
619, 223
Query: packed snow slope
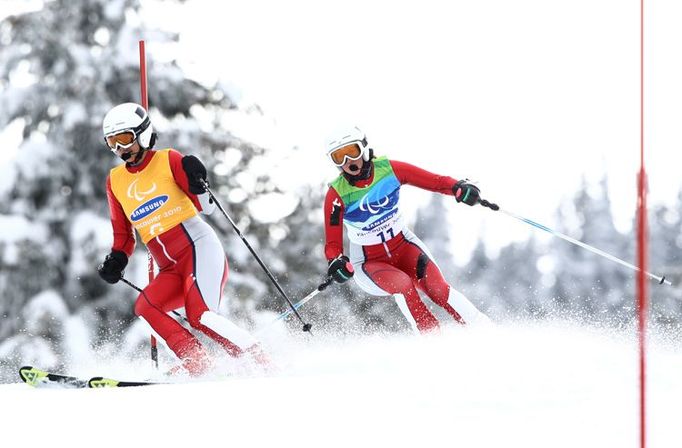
512, 385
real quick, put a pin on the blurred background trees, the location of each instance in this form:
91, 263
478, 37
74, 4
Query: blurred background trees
63, 67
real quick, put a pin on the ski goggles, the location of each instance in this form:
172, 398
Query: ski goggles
120, 140
351, 151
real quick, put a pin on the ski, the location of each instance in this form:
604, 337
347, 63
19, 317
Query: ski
40, 378
99, 382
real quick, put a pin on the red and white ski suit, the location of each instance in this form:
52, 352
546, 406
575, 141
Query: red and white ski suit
402, 265
192, 265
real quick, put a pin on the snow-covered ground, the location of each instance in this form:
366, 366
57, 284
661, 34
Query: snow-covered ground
524, 384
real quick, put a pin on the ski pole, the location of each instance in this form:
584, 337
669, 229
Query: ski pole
495, 207
306, 326
321, 287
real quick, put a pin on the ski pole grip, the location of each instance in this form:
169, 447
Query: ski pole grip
489, 204
328, 281
203, 183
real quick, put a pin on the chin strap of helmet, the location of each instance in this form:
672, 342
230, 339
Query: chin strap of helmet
139, 156
152, 140
364, 174
125, 156
135, 160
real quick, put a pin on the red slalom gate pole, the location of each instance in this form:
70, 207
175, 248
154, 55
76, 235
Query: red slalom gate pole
150, 260
143, 76
642, 304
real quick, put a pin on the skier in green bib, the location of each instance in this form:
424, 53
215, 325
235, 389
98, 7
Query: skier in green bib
385, 258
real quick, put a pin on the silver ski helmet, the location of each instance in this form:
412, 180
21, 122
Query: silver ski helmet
349, 143
126, 123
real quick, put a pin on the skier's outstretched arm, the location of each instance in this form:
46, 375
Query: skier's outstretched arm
462, 190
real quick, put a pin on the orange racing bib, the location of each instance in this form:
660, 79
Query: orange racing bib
151, 199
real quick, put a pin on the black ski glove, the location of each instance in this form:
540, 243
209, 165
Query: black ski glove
111, 270
195, 171
466, 192
340, 269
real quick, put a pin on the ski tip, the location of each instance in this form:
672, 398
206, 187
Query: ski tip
25, 369
32, 376
99, 382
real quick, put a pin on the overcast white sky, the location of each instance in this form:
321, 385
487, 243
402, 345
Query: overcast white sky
524, 96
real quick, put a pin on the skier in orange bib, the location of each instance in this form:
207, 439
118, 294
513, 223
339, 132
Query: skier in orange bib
160, 194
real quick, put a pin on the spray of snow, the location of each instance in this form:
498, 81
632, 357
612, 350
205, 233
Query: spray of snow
531, 385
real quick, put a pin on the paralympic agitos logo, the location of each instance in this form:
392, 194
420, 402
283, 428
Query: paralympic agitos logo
148, 207
366, 204
371, 207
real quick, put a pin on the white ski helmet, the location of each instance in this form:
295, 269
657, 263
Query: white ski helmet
347, 136
130, 117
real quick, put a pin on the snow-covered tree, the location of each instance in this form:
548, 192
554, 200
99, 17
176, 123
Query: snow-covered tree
433, 228
61, 69
518, 279
665, 258
474, 281
586, 284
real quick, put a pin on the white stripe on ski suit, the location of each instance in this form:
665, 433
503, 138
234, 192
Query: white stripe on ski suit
209, 260
208, 272
228, 330
466, 309
165, 252
402, 304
